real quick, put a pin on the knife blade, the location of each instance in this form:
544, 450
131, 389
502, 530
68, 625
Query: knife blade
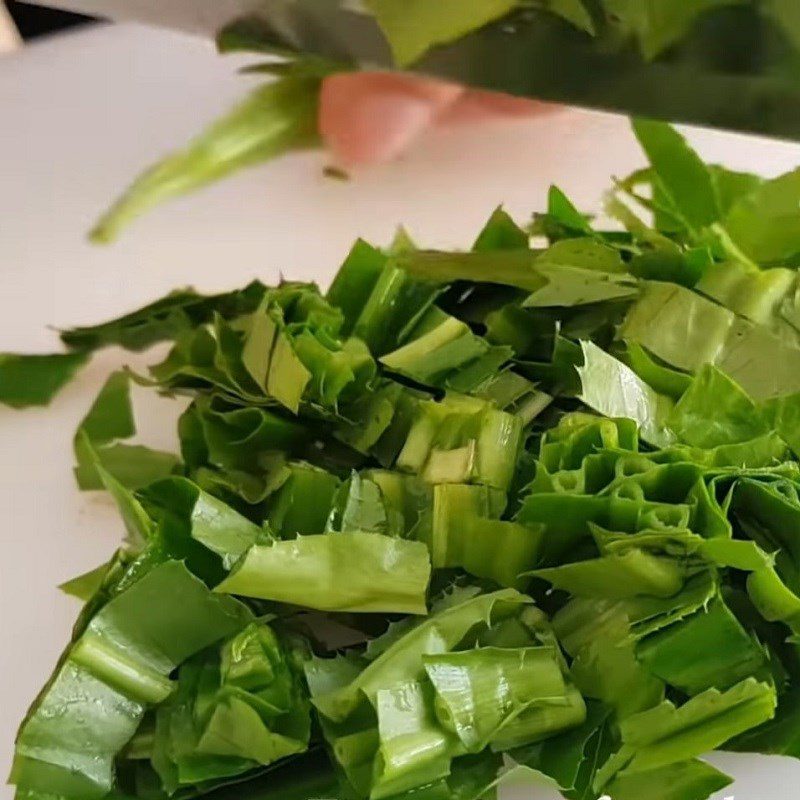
734, 71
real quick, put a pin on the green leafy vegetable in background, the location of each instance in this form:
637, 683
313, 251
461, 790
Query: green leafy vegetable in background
466, 516
657, 24
413, 28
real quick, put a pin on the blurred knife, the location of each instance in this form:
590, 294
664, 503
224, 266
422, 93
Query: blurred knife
737, 68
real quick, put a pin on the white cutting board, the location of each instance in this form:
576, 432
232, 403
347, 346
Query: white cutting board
79, 115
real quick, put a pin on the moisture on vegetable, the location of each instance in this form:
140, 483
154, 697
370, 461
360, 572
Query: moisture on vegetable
528, 508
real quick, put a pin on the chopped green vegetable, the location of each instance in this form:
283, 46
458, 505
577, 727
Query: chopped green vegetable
500, 233
533, 506
615, 390
667, 734
481, 692
763, 222
687, 331
336, 572
708, 650
167, 318
85, 586
97, 442
682, 177
67, 746
33, 380
236, 706
401, 661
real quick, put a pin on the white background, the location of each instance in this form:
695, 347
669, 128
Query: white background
79, 115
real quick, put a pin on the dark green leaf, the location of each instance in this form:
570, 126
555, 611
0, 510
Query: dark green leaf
97, 443
686, 780
167, 318
562, 211
355, 281
659, 24
667, 735
566, 756
34, 380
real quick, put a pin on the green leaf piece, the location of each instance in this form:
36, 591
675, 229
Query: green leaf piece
715, 411
84, 586
34, 380
635, 572
413, 749
237, 706
98, 447
401, 661
764, 223
687, 331
442, 352
355, 281
184, 511
413, 29
782, 414
336, 572
503, 267
288, 515
465, 531
571, 758
167, 318
659, 24
479, 692
500, 233
687, 780
759, 295
684, 178
613, 389
561, 210
461, 440
663, 379
708, 650
667, 734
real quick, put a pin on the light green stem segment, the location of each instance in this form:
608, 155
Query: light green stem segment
114, 667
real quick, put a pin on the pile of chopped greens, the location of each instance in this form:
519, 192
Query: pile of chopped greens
532, 507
